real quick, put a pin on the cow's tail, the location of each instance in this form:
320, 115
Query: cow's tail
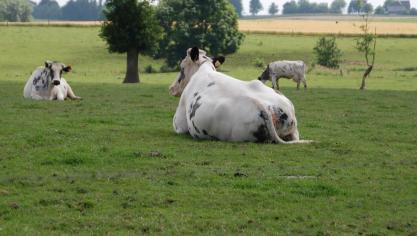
274, 137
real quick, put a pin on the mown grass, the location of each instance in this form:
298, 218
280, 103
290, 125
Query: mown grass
111, 164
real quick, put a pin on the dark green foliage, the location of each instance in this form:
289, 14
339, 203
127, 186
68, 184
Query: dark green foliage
15, 10
413, 11
380, 10
337, 6
130, 24
48, 10
327, 53
238, 6
273, 9
255, 6
81, 10
304, 7
211, 25
360, 6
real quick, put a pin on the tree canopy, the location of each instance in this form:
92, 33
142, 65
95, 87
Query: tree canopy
15, 10
273, 9
337, 6
303, 7
210, 25
360, 6
255, 6
81, 10
47, 9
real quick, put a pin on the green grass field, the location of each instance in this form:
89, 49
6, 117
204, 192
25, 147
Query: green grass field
111, 163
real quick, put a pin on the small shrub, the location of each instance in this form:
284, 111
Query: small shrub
166, 69
149, 69
327, 52
258, 62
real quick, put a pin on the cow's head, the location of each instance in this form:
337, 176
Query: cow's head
265, 75
188, 66
55, 71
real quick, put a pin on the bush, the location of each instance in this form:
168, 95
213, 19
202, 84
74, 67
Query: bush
327, 53
166, 69
258, 62
149, 69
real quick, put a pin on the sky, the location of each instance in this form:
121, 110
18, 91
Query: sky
266, 4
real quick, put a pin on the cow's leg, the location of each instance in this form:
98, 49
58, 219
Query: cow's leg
298, 84
305, 82
275, 82
71, 94
180, 119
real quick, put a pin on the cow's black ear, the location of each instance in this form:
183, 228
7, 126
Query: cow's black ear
48, 64
195, 53
218, 61
67, 69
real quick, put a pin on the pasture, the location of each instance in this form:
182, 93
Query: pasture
111, 163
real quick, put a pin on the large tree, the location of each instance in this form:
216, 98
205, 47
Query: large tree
15, 10
131, 26
273, 9
337, 6
290, 7
210, 25
81, 10
255, 6
356, 6
48, 10
238, 6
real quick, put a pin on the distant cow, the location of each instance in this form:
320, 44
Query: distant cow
216, 106
294, 70
46, 83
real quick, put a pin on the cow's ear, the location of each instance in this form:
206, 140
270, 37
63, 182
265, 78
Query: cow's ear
195, 54
67, 69
218, 61
48, 64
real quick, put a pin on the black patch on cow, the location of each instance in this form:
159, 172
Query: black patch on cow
195, 54
205, 132
211, 84
195, 94
36, 80
265, 75
283, 117
262, 133
182, 75
194, 107
196, 129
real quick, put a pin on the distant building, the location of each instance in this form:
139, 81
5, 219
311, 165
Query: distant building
399, 7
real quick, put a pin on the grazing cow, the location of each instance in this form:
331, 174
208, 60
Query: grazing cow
294, 70
216, 106
46, 83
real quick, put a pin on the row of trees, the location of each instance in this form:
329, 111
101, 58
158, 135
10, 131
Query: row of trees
15, 10
74, 10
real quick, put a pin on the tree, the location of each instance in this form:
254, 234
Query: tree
273, 9
15, 10
380, 10
337, 6
368, 8
47, 9
238, 6
413, 11
366, 44
356, 6
81, 10
130, 26
210, 25
255, 6
327, 53
290, 8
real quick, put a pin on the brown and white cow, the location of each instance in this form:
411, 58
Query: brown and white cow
216, 106
294, 70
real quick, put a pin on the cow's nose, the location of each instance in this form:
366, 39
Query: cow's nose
56, 82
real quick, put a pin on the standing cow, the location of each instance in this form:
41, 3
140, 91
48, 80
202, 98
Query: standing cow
294, 70
216, 106
46, 83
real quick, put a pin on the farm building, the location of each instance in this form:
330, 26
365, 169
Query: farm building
399, 7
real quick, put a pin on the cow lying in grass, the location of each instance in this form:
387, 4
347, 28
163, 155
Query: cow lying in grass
46, 83
294, 70
216, 106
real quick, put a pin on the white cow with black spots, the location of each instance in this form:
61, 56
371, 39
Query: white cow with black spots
46, 83
294, 70
216, 106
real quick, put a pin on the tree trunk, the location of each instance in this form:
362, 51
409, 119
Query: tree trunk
132, 68
365, 75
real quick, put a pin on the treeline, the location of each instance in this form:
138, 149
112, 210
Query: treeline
83, 10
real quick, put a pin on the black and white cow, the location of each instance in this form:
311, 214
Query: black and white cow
216, 106
46, 83
294, 70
